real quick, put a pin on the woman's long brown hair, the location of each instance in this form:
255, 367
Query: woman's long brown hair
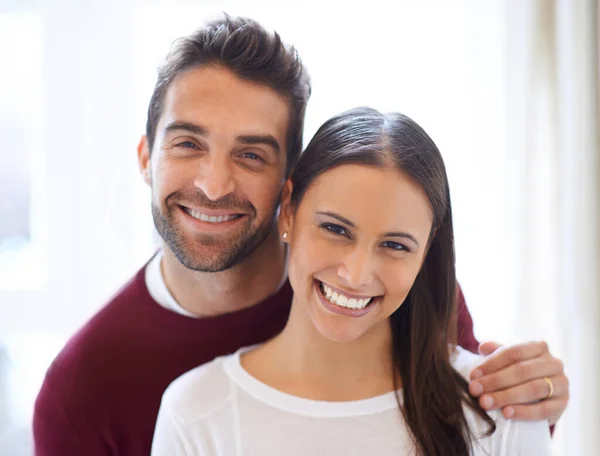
424, 326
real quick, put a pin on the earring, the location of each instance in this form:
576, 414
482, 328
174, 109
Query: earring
284, 235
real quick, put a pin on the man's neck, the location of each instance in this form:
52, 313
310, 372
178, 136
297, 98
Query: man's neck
208, 294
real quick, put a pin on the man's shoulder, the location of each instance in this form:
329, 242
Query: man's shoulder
91, 351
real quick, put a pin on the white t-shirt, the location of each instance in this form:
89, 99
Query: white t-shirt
219, 409
155, 282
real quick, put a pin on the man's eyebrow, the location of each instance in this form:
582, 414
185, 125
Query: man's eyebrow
402, 234
187, 126
268, 140
200, 130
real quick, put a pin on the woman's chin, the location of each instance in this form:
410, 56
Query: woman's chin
337, 331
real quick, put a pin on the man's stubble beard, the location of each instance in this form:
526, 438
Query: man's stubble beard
233, 251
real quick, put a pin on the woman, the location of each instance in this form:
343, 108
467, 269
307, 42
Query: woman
367, 362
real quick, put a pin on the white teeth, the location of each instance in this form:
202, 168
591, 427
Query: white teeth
341, 300
210, 218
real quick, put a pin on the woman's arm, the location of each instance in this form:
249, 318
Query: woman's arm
170, 435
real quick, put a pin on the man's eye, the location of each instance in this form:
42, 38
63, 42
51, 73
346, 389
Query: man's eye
252, 156
337, 229
395, 246
187, 145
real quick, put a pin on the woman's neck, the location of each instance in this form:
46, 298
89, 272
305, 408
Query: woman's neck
301, 362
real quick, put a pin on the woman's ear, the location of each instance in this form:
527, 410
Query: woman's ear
286, 214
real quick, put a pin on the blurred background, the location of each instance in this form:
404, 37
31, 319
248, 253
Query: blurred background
508, 89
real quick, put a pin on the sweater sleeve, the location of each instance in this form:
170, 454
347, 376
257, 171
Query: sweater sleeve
466, 337
60, 425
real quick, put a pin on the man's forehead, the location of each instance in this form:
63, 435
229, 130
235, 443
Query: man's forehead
222, 86
197, 97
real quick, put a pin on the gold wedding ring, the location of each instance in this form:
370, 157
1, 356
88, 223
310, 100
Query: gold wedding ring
549, 382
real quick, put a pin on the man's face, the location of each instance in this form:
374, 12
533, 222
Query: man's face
217, 167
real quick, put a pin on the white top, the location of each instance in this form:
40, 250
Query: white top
155, 282
219, 409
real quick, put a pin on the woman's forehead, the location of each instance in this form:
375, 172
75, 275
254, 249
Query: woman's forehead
369, 193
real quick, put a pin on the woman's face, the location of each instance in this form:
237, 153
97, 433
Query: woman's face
357, 240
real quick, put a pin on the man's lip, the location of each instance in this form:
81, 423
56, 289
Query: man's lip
213, 212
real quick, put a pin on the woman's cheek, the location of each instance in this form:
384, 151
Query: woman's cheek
400, 279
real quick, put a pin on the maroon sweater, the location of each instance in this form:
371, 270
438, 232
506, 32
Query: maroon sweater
102, 393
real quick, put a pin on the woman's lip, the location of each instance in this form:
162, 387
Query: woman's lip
349, 295
343, 310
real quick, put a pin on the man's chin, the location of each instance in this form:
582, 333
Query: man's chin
214, 253
206, 260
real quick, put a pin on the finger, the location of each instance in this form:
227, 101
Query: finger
517, 374
526, 393
550, 410
507, 355
488, 347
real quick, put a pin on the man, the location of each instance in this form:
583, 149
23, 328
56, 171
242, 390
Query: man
224, 131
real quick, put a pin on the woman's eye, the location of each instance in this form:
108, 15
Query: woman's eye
337, 229
395, 246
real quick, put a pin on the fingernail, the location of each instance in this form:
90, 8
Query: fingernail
509, 412
476, 388
487, 402
476, 374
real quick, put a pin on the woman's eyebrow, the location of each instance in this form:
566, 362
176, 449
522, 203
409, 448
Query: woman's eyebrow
404, 235
342, 219
338, 217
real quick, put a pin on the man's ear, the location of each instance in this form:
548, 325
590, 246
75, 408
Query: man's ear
144, 159
286, 215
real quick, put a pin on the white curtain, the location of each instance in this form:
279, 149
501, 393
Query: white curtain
526, 206
554, 195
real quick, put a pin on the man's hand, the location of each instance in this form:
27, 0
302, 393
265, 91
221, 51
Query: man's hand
513, 378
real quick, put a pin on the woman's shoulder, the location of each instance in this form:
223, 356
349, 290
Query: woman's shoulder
511, 437
463, 361
199, 392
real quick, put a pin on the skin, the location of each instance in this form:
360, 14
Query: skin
377, 252
220, 150
512, 378
219, 176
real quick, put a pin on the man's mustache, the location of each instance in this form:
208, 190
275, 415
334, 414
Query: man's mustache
198, 199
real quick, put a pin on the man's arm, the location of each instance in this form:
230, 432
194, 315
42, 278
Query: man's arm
60, 424
515, 378
524, 380
466, 337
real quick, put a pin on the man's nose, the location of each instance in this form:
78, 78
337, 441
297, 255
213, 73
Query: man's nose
215, 177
